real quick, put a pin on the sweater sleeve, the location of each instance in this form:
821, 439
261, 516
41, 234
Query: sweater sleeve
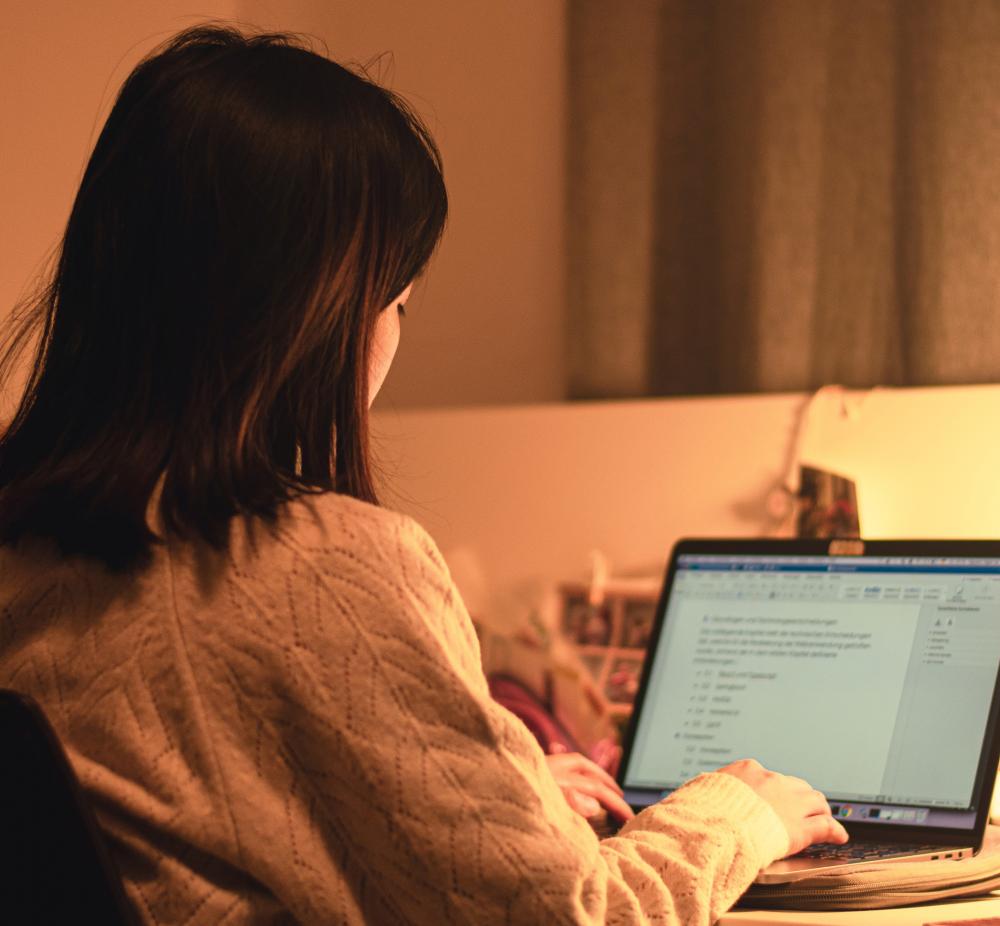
444, 798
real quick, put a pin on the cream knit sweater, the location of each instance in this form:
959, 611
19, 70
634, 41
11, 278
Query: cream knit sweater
300, 731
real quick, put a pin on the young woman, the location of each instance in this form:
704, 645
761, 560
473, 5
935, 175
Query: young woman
268, 684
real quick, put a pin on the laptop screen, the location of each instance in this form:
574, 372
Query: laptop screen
871, 677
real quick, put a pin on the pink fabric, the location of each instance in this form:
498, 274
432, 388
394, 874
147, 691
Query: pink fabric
540, 719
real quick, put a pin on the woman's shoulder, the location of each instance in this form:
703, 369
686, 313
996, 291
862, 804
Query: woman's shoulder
337, 542
336, 567
331, 524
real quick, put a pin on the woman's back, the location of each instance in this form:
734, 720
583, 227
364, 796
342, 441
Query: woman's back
300, 730
179, 693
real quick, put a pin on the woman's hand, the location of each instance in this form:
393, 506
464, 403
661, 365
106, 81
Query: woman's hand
803, 810
586, 786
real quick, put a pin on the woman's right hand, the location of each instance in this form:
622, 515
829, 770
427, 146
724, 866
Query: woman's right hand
802, 809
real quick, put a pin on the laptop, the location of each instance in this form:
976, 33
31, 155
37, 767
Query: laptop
868, 668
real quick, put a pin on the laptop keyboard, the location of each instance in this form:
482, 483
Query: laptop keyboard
605, 825
864, 851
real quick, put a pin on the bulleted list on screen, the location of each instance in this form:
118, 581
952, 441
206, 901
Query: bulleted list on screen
820, 685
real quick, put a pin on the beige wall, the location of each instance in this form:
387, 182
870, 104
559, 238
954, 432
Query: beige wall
487, 326
518, 497
524, 494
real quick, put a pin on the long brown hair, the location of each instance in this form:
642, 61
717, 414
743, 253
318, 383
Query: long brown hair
248, 209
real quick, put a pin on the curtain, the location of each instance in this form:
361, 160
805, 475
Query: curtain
770, 195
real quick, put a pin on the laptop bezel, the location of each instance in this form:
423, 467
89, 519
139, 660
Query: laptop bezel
886, 832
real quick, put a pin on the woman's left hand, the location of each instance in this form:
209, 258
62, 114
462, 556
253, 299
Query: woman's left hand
586, 786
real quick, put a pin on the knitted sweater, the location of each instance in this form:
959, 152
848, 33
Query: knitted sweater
299, 730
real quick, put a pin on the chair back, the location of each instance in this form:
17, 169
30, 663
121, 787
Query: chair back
56, 868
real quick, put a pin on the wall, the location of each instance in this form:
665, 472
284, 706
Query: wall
487, 325
518, 497
926, 461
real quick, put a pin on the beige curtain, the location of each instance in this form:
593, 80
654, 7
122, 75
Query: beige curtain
777, 194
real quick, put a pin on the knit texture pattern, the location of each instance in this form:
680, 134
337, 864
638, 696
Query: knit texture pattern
299, 730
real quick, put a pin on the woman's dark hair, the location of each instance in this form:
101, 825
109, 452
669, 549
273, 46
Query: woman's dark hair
248, 209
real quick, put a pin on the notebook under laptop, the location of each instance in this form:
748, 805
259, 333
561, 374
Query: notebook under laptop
869, 669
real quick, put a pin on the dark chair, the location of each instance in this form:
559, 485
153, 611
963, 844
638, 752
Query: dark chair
56, 866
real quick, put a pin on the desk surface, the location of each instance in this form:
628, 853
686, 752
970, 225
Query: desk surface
947, 912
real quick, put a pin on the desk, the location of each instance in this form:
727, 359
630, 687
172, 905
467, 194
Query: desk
947, 911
